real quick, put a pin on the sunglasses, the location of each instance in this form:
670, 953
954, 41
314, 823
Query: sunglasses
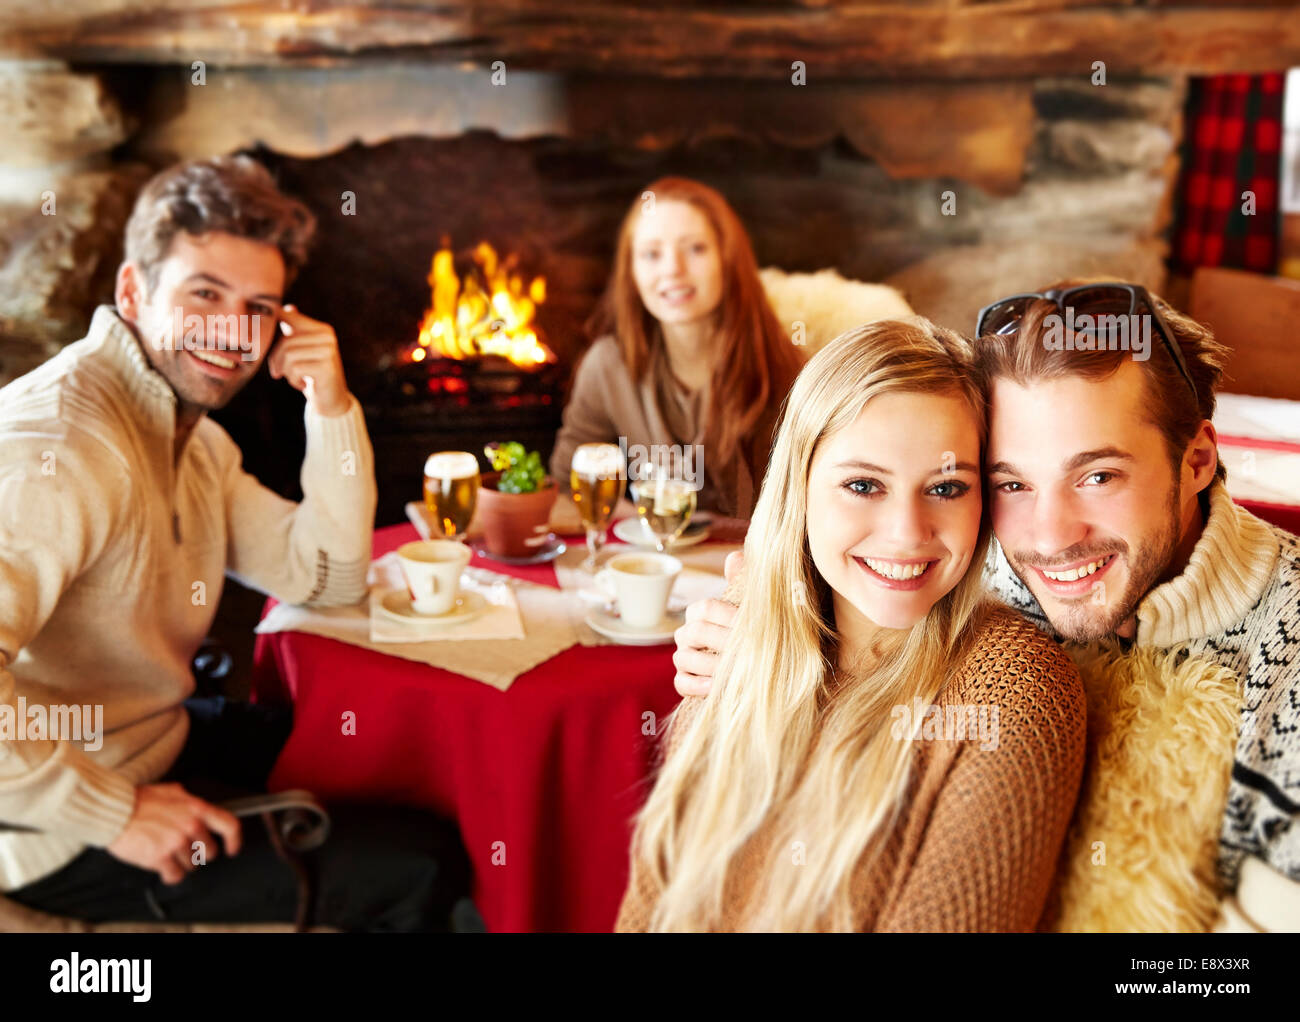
1003, 316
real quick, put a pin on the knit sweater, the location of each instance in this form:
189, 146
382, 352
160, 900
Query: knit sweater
979, 831
112, 558
1235, 605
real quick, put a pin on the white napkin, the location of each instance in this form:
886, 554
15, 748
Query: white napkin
1263, 418
1255, 472
547, 619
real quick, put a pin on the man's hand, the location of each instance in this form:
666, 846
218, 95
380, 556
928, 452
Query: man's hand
164, 827
308, 357
702, 637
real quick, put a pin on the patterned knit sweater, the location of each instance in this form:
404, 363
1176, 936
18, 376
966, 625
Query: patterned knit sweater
1235, 605
976, 842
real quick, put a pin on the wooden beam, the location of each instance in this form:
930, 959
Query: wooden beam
846, 40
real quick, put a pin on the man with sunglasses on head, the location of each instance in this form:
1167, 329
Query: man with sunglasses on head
1114, 525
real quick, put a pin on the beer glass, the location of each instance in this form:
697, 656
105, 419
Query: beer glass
451, 482
596, 481
665, 501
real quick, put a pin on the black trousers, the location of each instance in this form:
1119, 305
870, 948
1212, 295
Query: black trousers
383, 868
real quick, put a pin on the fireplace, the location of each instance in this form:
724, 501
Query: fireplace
448, 351
459, 305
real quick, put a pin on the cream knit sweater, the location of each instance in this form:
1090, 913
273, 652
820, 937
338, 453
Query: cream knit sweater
112, 559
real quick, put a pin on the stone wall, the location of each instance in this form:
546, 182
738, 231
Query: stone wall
63, 203
953, 192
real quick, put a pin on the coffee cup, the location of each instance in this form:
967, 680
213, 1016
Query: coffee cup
640, 584
432, 570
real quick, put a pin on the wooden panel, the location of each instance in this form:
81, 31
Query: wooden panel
1257, 317
843, 40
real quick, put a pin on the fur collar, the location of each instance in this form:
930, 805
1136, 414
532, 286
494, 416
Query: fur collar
1140, 855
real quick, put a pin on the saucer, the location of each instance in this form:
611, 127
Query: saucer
396, 606
612, 627
548, 551
630, 530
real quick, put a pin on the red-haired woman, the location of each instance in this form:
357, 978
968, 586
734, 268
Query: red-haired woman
688, 351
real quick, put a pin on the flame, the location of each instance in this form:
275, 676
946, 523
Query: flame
490, 312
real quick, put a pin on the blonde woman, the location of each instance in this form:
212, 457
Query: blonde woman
883, 748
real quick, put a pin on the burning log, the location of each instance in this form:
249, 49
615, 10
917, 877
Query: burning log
490, 312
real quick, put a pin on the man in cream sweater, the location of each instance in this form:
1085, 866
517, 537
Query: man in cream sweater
122, 507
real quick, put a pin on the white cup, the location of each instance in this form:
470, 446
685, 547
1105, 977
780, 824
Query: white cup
432, 571
640, 584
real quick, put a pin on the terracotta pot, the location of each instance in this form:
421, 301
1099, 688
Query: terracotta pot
511, 520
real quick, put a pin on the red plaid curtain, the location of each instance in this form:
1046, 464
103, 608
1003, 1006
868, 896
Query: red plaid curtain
1233, 144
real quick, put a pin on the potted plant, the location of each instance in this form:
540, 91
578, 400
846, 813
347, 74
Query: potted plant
515, 501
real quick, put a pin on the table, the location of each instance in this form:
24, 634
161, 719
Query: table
543, 779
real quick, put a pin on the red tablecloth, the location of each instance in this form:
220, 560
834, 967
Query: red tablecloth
543, 779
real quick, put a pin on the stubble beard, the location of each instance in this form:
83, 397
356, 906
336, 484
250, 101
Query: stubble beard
1083, 619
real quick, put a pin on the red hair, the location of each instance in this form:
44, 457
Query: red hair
755, 363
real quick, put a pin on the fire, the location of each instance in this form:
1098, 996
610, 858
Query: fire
490, 312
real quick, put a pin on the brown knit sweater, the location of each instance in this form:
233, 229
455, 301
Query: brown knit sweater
976, 843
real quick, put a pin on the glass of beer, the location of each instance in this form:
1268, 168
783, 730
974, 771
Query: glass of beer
596, 481
665, 501
451, 483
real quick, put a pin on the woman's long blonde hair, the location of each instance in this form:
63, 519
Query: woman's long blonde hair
769, 746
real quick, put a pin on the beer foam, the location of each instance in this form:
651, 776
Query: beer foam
598, 461
451, 465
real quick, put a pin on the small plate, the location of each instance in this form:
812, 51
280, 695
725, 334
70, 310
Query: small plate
612, 627
630, 530
548, 551
396, 606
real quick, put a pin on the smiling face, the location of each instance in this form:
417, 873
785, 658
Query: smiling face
1085, 504
677, 263
208, 290
894, 507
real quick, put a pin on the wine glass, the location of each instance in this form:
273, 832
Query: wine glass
451, 482
596, 482
665, 501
